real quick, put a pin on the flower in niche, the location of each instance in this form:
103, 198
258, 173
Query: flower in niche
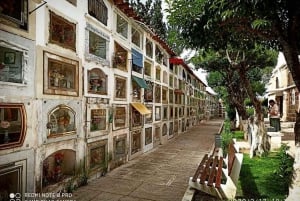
58, 157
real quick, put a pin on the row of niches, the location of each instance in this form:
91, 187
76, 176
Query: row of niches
61, 165
62, 120
61, 77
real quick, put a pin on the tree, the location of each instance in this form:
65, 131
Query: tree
241, 69
215, 24
151, 13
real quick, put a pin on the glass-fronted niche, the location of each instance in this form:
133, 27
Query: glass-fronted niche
149, 117
62, 32
13, 63
148, 135
136, 118
97, 47
120, 146
148, 93
122, 26
120, 57
12, 125
97, 152
120, 87
61, 121
60, 75
136, 141
119, 117
97, 81
15, 13
98, 120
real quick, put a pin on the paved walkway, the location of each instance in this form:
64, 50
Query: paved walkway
159, 175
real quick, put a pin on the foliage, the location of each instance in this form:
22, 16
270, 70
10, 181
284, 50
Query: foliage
227, 136
231, 113
151, 13
285, 167
240, 71
213, 24
250, 111
238, 135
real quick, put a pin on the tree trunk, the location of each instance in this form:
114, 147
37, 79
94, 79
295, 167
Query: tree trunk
258, 109
292, 61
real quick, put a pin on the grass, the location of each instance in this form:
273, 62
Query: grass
238, 135
258, 179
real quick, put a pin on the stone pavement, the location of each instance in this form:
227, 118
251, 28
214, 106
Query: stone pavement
159, 175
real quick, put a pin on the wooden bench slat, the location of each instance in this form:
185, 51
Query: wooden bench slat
231, 157
212, 174
219, 173
200, 168
205, 174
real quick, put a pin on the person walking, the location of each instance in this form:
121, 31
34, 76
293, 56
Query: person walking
274, 115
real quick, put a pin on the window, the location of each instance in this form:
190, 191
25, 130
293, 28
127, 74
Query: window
97, 81
149, 92
176, 112
13, 61
136, 91
171, 81
175, 83
98, 10
61, 121
120, 57
293, 97
148, 135
149, 48
60, 75
165, 113
164, 130
122, 26
158, 55
171, 96
171, 112
119, 117
165, 95
136, 118
120, 146
165, 77
136, 37
148, 69
97, 154
148, 117
157, 73
157, 94
157, 113
62, 32
15, 12
136, 141
165, 59
98, 119
171, 128
120, 88
97, 45
12, 125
